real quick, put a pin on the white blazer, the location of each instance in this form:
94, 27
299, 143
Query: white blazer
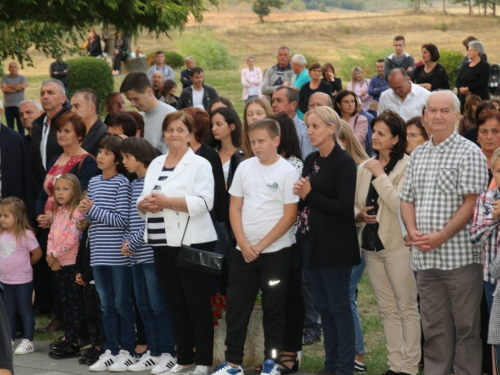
192, 178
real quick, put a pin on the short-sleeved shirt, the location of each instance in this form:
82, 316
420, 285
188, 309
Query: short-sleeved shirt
437, 179
14, 98
15, 266
412, 106
265, 190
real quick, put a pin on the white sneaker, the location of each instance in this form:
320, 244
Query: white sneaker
225, 369
165, 363
200, 370
178, 369
122, 361
270, 368
145, 363
105, 360
25, 347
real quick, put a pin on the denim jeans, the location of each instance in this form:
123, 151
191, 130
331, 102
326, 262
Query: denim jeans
250, 97
357, 274
18, 299
154, 313
489, 289
330, 290
114, 285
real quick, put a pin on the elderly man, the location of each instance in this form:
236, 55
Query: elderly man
280, 74
443, 179
85, 103
114, 103
186, 73
403, 97
320, 99
13, 86
29, 111
137, 88
299, 68
161, 66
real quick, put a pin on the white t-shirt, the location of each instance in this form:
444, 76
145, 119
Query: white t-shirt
265, 190
198, 98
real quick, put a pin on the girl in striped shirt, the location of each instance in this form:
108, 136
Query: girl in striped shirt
106, 209
137, 155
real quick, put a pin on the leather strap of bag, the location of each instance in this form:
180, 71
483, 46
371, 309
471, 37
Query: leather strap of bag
189, 217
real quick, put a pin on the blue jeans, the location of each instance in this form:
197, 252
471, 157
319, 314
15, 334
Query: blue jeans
489, 289
357, 274
114, 285
154, 313
18, 299
330, 290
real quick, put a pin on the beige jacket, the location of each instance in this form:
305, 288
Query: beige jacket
388, 188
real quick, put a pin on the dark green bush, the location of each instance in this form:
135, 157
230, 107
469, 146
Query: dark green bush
451, 60
352, 4
89, 72
172, 59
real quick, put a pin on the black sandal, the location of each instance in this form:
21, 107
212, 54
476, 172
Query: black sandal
285, 358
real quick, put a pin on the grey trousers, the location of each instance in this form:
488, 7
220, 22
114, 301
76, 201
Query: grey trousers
447, 299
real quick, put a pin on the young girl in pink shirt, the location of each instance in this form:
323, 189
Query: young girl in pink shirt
62, 248
19, 250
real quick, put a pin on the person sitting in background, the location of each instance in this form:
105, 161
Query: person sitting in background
431, 75
114, 103
59, 70
359, 85
198, 94
160, 66
167, 93
121, 52
157, 84
345, 104
416, 134
378, 84
186, 73
329, 76
251, 79
94, 48
314, 86
468, 119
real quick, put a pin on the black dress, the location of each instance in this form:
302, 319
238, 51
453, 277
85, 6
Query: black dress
437, 77
306, 92
476, 79
336, 85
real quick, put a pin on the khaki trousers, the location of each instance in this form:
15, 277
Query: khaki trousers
394, 287
451, 299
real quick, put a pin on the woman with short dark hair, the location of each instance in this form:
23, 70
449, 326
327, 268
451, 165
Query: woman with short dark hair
380, 179
314, 86
431, 75
328, 72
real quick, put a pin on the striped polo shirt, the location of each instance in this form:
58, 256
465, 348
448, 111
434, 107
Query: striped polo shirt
108, 219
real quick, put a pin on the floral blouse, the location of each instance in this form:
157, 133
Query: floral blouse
64, 236
303, 224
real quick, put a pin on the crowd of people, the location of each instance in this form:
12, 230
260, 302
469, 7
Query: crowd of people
316, 183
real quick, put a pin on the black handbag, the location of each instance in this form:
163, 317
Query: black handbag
199, 260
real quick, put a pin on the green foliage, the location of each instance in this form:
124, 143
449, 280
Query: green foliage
322, 7
367, 62
208, 52
172, 59
89, 72
351, 4
309, 58
442, 26
297, 5
263, 7
346, 30
56, 27
451, 60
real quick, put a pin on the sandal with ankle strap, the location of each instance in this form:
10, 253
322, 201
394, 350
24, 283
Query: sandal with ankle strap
286, 358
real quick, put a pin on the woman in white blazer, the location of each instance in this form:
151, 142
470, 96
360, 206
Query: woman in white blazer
251, 79
380, 179
178, 192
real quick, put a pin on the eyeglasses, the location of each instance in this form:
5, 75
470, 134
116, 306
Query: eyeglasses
412, 136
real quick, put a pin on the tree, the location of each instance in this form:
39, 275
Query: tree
263, 7
465, 2
54, 27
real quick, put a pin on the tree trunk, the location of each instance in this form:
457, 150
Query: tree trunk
417, 5
470, 7
444, 6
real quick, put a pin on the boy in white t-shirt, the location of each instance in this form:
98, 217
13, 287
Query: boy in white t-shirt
262, 212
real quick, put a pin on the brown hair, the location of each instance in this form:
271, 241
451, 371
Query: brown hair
201, 123
77, 191
264, 104
185, 117
272, 127
18, 209
76, 121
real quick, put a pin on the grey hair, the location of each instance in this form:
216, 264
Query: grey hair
35, 102
322, 94
456, 101
478, 46
394, 71
189, 58
282, 48
56, 82
299, 59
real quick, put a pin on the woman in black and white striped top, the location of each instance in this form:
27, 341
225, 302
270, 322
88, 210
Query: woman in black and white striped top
179, 186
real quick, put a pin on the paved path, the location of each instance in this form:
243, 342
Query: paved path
40, 363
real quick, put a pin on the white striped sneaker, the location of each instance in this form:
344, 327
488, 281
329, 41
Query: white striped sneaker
122, 361
165, 363
104, 362
25, 347
146, 362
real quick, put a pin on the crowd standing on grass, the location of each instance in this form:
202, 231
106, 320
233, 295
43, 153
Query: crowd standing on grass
314, 184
